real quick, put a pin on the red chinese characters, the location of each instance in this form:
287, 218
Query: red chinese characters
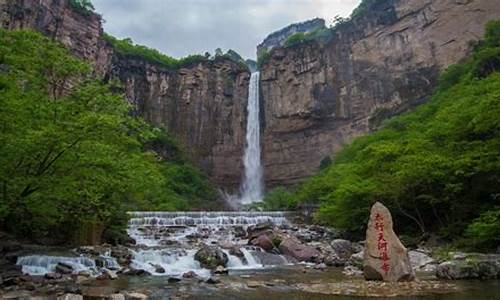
382, 243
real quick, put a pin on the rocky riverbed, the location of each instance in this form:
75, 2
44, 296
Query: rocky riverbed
240, 256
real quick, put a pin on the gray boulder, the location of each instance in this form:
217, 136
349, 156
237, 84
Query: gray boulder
210, 257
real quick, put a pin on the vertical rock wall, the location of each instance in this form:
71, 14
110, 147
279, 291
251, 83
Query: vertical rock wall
318, 97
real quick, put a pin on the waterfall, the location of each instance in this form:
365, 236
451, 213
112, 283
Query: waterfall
251, 189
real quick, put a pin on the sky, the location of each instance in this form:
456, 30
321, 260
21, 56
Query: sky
182, 27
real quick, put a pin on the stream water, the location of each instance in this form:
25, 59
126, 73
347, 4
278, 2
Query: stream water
166, 247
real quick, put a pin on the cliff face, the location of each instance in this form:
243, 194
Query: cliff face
279, 37
202, 104
315, 97
318, 97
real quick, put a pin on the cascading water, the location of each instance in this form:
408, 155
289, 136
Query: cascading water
251, 189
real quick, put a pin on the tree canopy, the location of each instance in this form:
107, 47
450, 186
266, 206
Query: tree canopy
70, 152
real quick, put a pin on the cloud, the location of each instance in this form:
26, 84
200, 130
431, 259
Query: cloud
183, 27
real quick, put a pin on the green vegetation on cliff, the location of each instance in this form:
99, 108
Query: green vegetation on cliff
71, 156
83, 7
437, 168
126, 47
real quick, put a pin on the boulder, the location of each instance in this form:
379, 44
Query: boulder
189, 274
269, 259
292, 247
385, 257
107, 274
135, 296
70, 297
419, 260
343, 249
210, 257
64, 268
456, 270
256, 230
116, 297
264, 242
158, 269
221, 270
53, 276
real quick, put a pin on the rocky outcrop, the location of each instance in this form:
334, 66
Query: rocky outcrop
279, 37
385, 257
317, 97
58, 20
202, 104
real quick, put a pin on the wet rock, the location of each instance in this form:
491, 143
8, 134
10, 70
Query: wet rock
136, 272
158, 269
17, 295
385, 257
264, 242
236, 251
135, 296
254, 284
321, 267
294, 248
70, 297
107, 274
189, 274
98, 292
53, 276
256, 230
269, 259
210, 257
239, 232
64, 268
456, 270
173, 279
213, 280
221, 270
123, 255
420, 260
116, 297
343, 249
10, 274
351, 270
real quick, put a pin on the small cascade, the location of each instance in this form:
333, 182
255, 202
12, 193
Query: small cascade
206, 218
251, 261
168, 262
43, 264
168, 241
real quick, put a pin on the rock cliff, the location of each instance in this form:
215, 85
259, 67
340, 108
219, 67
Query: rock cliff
202, 104
317, 97
279, 37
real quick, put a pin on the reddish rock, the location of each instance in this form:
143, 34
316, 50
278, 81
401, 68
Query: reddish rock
294, 248
264, 242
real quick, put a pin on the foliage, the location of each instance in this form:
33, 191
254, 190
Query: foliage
262, 57
70, 153
319, 34
279, 199
484, 232
436, 168
83, 7
126, 47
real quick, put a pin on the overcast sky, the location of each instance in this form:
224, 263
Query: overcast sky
182, 27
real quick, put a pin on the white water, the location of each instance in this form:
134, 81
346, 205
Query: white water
154, 232
43, 264
251, 189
